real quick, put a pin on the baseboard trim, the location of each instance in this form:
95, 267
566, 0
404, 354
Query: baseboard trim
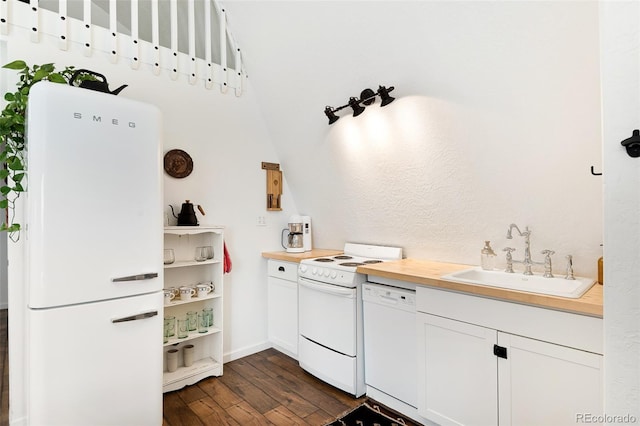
246, 351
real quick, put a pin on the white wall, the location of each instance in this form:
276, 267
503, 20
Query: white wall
621, 109
4, 296
497, 120
227, 139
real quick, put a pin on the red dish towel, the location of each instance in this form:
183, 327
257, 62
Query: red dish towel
227, 260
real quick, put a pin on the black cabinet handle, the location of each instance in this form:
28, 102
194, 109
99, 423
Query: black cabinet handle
281, 268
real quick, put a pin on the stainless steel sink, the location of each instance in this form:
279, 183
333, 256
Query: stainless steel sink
556, 286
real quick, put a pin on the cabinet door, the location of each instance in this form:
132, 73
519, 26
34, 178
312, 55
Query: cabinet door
542, 383
457, 372
282, 305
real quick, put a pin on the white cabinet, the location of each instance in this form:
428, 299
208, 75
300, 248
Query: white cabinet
465, 379
187, 271
543, 383
457, 372
282, 306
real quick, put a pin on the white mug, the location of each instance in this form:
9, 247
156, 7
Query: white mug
187, 355
172, 360
168, 296
186, 293
204, 289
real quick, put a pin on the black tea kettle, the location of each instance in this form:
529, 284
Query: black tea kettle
93, 81
187, 215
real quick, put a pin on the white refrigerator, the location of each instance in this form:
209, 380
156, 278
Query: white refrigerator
93, 351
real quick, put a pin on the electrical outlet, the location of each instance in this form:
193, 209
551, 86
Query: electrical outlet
262, 221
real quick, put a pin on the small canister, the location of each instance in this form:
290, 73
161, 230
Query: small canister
601, 271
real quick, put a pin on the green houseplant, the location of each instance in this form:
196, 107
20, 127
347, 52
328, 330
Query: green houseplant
12, 134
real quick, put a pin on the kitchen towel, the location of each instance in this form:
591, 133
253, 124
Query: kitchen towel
227, 260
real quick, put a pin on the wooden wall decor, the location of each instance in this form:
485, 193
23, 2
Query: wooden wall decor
274, 185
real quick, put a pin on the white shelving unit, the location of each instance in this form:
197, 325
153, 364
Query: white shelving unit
186, 271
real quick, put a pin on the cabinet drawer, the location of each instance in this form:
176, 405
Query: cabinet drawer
563, 328
284, 270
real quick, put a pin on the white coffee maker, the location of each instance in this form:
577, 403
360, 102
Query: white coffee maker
293, 241
298, 239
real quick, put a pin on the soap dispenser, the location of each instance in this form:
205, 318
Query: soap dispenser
487, 257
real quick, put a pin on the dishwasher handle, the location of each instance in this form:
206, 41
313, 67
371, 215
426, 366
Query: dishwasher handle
388, 300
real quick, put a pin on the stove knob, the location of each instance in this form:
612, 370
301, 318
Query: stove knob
334, 274
314, 270
303, 268
326, 272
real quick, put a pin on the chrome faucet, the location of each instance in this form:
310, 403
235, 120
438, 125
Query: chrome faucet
527, 262
569, 275
527, 247
509, 267
547, 263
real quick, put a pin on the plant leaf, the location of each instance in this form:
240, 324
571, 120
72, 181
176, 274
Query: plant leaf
40, 74
57, 78
4, 204
15, 164
16, 65
13, 228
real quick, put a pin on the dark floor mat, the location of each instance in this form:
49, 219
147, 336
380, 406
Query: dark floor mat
367, 415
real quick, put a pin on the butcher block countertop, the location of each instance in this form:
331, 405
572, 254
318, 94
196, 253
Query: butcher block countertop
428, 273
297, 257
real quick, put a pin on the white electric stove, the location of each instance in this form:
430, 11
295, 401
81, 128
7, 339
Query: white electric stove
330, 314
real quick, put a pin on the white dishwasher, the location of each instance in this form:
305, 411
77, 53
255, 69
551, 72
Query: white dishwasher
390, 341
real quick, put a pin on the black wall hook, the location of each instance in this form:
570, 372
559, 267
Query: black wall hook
632, 144
594, 173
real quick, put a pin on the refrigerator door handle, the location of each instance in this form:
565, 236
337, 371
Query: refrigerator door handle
138, 277
144, 315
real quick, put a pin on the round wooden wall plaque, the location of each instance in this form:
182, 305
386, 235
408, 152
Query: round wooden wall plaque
177, 163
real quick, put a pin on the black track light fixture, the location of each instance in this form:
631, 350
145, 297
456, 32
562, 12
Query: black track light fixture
358, 109
384, 95
331, 115
367, 97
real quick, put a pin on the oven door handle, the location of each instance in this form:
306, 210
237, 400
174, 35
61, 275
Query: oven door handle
328, 288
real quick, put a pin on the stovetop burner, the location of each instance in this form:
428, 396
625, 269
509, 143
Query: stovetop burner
341, 268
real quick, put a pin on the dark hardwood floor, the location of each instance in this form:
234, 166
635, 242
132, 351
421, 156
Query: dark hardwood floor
261, 389
267, 388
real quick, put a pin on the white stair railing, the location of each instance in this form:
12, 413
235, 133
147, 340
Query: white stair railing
186, 38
